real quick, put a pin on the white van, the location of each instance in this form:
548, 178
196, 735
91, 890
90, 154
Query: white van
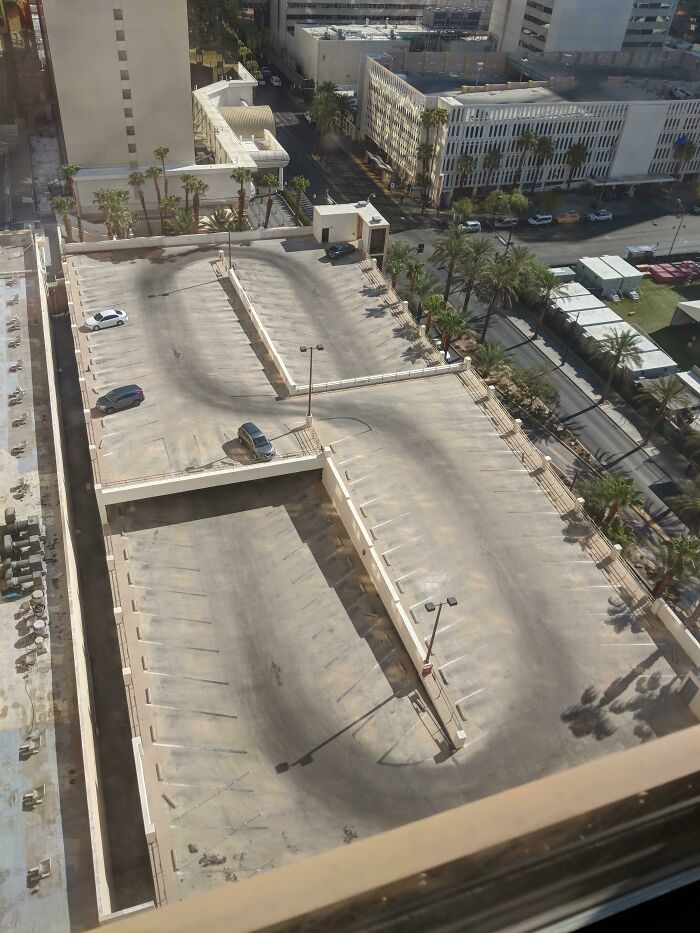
539, 220
275, 81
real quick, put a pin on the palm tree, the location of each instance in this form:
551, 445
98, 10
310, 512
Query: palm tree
412, 269
168, 205
300, 185
241, 175
522, 264
472, 266
64, 207
683, 151
619, 532
527, 144
452, 325
431, 119
596, 495
424, 152
112, 202
268, 181
503, 285
661, 393
544, 152
547, 285
686, 505
576, 156
188, 180
153, 171
492, 161
623, 494
69, 172
324, 110
489, 357
619, 347
466, 165
162, 153
433, 305
199, 190
399, 249
221, 220
183, 222
137, 180
123, 219
424, 287
394, 268
449, 248
677, 562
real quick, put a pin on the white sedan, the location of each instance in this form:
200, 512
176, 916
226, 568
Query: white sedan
600, 215
113, 317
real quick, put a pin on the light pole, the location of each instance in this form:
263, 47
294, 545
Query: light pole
319, 346
523, 62
479, 66
680, 224
568, 342
229, 250
430, 607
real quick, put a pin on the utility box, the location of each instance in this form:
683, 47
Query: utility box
360, 224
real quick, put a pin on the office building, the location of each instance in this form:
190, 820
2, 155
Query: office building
580, 25
630, 133
686, 23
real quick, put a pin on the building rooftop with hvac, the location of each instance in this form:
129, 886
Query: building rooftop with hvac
628, 122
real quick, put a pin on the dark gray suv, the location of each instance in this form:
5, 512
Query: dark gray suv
123, 397
253, 438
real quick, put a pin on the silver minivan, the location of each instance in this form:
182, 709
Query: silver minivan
539, 220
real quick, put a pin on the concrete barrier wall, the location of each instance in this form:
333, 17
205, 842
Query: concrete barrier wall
193, 239
363, 544
93, 788
261, 330
416, 373
189, 482
681, 635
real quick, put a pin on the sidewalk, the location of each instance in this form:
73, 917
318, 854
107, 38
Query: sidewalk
617, 410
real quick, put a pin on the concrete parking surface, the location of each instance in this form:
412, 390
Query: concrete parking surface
185, 346
548, 666
304, 298
280, 715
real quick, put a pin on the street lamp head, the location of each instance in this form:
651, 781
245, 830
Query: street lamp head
319, 346
303, 349
451, 601
430, 607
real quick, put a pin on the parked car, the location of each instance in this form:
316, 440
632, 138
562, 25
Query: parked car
695, 209
602, 214
680, 93
118, 399
471, 226
568, 217
261, 81
266, 70
275, 81
506, 223
338, 250
252, 437
113, 317
539, 219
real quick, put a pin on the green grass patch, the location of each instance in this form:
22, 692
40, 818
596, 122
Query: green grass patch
652, 316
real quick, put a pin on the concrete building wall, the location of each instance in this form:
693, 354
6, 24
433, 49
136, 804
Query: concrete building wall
334, 59
638, 141
580, 25
121, 71
597, 25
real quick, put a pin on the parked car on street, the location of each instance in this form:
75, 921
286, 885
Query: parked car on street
539, 219
568, 217
338, 250
602, 214
680, 93
113, 317
471, 226
506, 223
252, 437
118, 399
275, 81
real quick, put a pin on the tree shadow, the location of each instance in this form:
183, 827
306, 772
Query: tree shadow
378, 311
622, 617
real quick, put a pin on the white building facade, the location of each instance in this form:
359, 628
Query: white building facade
580, 25
629, 142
